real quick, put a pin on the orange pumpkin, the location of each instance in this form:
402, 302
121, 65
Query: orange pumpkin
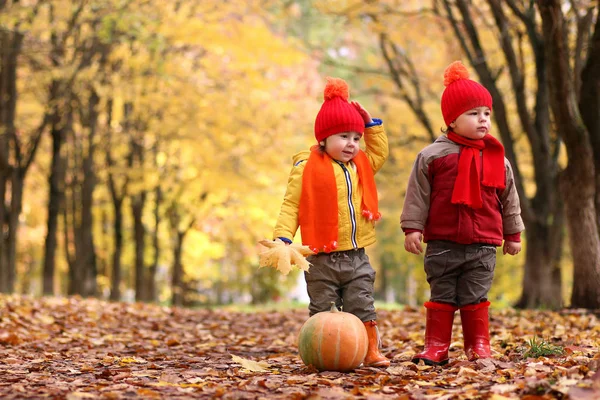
333, 341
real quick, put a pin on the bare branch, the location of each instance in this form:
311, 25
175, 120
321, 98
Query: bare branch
584, 24
354, 68
37, 136
457, 31
397, 74
522, 15
473, 35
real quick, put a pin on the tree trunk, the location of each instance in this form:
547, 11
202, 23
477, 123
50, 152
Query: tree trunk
177, 277
589, 104
55, 196
577, 189
577, 181
88, 251
16, 203
137, 207
138, 202
5, 122
117, 199
103, 262
83, 269
10, 47
60, 120
72, 224
3, 178
152, 291
542, 266
178, 234
73, 285
115, 293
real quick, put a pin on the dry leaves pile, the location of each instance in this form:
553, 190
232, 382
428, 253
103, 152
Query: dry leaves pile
77, 349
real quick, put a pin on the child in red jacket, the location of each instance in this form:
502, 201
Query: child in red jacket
462, 201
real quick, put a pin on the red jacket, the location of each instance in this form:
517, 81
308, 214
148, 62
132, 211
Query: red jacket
427, 206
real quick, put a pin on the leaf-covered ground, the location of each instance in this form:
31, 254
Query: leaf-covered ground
72, 348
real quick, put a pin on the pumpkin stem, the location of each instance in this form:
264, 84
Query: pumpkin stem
333, 307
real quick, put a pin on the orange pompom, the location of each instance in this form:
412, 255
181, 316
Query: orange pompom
455, 72
336, 87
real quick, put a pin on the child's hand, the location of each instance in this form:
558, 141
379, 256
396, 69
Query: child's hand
512, 248
363, 113
412, 242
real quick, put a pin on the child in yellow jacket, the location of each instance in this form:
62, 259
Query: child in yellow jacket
332, 197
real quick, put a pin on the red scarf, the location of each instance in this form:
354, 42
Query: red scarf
467, 188
318, 214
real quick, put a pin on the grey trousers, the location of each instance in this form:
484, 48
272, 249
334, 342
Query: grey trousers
344, 277
459, 274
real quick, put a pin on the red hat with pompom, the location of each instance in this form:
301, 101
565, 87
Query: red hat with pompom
461, 93
337, 115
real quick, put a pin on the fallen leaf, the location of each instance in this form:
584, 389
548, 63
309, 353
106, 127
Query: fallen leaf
496, 396
250, 365
504, 388
80, 395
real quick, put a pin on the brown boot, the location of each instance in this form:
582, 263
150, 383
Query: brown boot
374, 358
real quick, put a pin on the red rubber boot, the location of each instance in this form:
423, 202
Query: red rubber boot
438, 332
476, 330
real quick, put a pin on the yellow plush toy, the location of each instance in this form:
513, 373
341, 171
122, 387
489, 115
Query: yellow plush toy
282, 256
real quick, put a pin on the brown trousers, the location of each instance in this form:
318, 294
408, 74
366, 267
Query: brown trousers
345, 278
459, 274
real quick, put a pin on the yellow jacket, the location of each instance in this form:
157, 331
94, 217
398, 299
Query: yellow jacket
364, 234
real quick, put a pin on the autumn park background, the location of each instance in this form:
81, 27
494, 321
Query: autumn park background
145, 147
145, 144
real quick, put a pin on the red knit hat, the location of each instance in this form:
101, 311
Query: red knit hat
461, 93
336, 114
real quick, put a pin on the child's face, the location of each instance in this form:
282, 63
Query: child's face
473, 124
343, 146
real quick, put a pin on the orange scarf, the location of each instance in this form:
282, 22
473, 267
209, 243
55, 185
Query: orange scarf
467, 188
318, 214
